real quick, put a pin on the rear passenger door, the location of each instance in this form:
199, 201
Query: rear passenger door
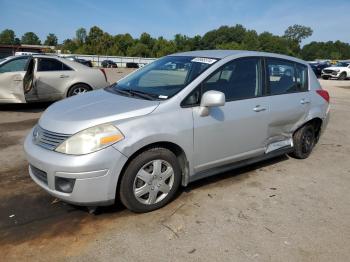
237, 130
52, 78
289, 100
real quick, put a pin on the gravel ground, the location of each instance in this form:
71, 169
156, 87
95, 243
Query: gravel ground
280, 210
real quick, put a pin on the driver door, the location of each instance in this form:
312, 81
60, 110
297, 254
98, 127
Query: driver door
237, 130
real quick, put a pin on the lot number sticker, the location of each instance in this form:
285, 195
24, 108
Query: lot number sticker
204, 60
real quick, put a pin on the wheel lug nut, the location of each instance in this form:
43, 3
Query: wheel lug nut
152, 188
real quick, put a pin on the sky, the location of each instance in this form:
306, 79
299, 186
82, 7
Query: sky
330, 20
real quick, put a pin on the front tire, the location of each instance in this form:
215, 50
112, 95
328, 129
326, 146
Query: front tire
342, 76
325, 77
304, 140
150, 181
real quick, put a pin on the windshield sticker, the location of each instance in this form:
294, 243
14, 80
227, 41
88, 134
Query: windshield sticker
162, 97
204, 60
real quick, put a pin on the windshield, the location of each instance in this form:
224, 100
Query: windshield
341, 64
165, 77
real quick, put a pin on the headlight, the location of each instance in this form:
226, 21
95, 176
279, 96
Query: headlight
91, 140
337, 70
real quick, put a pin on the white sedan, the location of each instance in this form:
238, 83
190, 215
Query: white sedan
46, 78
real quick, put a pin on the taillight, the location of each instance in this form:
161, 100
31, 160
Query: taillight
324, 94
104, 73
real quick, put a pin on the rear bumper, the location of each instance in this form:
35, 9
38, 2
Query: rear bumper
325, 122
95, 175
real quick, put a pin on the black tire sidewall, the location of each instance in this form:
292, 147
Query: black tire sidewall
127, 181
298, 142
342, 76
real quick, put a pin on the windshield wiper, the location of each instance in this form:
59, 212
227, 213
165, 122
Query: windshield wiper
143, 94
131, 92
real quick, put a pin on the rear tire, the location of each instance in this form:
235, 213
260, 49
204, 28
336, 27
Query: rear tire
150, 181
304, 141
78, 89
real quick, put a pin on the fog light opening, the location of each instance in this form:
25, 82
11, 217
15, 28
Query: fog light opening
64, 185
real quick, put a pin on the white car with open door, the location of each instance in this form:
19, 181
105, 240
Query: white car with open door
46, 78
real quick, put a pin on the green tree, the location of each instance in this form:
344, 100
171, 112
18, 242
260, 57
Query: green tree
30, 38
51, 40
69, 46
139, 49
80, 35
7, 37
163, 47
298, 33
229, 46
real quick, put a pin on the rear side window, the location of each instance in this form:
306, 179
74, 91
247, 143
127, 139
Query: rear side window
281, 76
238, 79
14, 65
285, 77
45, 65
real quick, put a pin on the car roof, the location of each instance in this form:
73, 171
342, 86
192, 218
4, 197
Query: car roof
75, 65
220, 54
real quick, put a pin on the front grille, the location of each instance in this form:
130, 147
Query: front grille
48, 139
39, 174
327, 71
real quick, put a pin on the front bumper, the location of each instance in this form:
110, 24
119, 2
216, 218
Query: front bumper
330, 75
95, 175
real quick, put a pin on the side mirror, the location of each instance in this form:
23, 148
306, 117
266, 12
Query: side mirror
211, 99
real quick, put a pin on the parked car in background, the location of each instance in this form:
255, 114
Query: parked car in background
109, 64
340, 71
132, 65
318, 67
46, 78
79, 60
164, 126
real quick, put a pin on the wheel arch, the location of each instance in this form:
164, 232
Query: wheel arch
77, 83
317, 123
176, 149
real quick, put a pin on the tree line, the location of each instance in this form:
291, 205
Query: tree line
97, 42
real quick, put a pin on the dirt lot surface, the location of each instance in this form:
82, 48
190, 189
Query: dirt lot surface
279, 210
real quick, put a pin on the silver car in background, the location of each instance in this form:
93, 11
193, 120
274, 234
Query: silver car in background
45, 78
181, 118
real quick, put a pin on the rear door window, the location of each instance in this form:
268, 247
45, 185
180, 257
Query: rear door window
281, 76
49, 64
285, 76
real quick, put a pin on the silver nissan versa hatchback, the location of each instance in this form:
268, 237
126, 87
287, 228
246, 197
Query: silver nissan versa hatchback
181, 118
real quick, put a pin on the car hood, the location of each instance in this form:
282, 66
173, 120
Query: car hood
335, 68
74, 114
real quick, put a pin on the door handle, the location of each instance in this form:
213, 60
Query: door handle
304, 101
258, 108
63, 76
